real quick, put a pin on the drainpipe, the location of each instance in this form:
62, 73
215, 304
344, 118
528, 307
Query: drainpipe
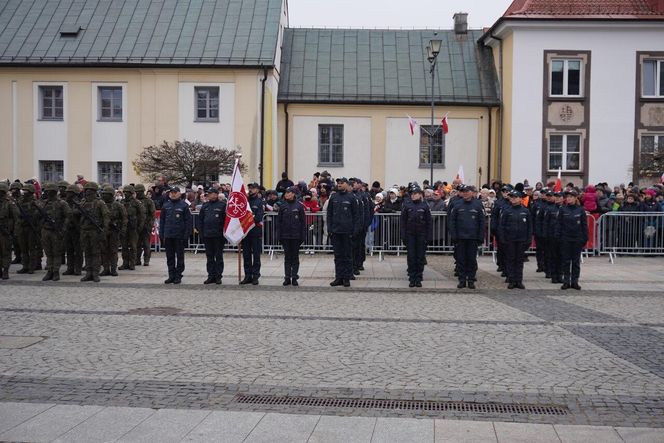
500, 114
488, 169
262, 153
286, 137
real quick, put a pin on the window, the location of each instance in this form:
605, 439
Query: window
566, 78
207, 104
51, 171
438, 150
653, 78
50, 103
330, 145
111, 173
206, 172
652, 149
565, 152
110, 103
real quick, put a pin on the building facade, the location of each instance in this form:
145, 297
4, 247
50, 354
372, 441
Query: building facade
582, 90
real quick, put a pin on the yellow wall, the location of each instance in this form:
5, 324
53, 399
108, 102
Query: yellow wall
151, 110
508, 79
379, 115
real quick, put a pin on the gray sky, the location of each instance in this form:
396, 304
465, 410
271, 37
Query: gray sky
393, 13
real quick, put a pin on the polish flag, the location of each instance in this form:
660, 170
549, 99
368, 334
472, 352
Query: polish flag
559, 182
444, 124
412, 124
460, 175
239, 217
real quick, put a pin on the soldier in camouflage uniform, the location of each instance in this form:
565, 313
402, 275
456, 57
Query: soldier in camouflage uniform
29, 231
146, 233
135, 222
72, 240
117, 230
8, 219
14, 197
94, 223
55, 218
62, 189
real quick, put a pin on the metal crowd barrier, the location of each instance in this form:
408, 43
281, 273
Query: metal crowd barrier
630, 233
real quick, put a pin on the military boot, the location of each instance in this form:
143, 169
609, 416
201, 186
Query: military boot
95, 276
5, 273
105, 272
22, 271
123, 267
69, 271
56, 276
48, 276
87, 277
114, 271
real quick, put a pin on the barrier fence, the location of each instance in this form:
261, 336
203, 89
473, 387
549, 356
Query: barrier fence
612, 234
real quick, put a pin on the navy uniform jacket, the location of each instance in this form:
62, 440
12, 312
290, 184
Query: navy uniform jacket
175, 220
211, 219
572, 224
537, 209
550, 221
343, 214
257, 206
416, 220
467, 220
515, 224
498, 207
291, 222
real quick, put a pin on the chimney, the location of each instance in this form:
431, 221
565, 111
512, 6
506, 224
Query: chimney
461, 23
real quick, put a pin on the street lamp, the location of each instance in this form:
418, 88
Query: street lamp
432, 54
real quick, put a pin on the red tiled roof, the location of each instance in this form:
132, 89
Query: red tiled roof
586, 8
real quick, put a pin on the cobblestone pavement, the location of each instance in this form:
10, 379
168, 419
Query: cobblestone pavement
597, 354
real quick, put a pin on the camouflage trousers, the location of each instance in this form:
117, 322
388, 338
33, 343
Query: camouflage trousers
144, 247
72, 247
5, 251
109, 255
52, 244
91, 244
30, 245
129, 246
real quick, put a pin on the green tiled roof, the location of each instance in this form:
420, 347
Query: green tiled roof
384, 66
140, 32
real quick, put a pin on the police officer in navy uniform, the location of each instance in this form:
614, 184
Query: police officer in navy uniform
366, 215
175, 227
572, 232
553, 260
515, 230
211, 219
343, 221
502, 202
252, 244
416, 231
466, 224
292, 231
537, 211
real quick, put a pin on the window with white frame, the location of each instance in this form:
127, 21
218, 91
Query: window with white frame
652, 149
653, 78
330, 145
110, 172
109, 103
565, 152
207, 103
566, 77
51, 171
438, 148
51, 103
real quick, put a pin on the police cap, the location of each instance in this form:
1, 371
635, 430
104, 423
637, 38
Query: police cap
212, 191
174, 189
515, 194
571, 192
415, 189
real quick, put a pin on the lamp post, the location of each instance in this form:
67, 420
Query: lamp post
432, 55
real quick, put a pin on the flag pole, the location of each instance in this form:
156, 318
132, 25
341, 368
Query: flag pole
239, 262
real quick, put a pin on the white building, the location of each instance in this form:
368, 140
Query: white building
582, 86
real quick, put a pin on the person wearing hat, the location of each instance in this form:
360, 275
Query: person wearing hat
549, 228
8, 220
210, 225
135, 224
537, 209
502, 202
29, 232
572, 233
291, 232
175, 227
365, 206
72, 238
515, 230
62, 188
143, 245
284, 183
466, 222
416, 231
116, 232
252, 244
14, 197
343, 221
95, 219
55, 215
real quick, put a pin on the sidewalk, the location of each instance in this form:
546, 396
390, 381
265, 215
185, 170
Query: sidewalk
37, 422
597, 273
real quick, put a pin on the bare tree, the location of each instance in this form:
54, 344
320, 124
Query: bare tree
184, 162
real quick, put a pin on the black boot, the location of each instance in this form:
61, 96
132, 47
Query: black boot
471, 284
512, 285
575, 285
22, 271
87, 277
247, 279
69, 271
520, 285
254, 281
169, 280
216, 280
346, 283
114, 271
5, 273
56, 276
565, 286
411, 284
294, 282
287, 281
105, 272
95, 276
337, 282
461, 285
209, 280
48, 276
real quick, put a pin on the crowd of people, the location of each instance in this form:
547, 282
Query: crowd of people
83, 225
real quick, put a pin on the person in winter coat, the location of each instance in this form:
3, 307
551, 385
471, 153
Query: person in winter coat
343, 221
292, 229
589, 200
466, 222
175, 227
572, 233
416, 231
211, 220
515, 229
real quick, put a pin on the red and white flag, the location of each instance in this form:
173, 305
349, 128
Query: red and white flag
239, 217
460, 175
443, 123
412, 124
559, 182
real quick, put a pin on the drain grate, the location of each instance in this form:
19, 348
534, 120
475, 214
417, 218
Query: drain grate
403, 405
